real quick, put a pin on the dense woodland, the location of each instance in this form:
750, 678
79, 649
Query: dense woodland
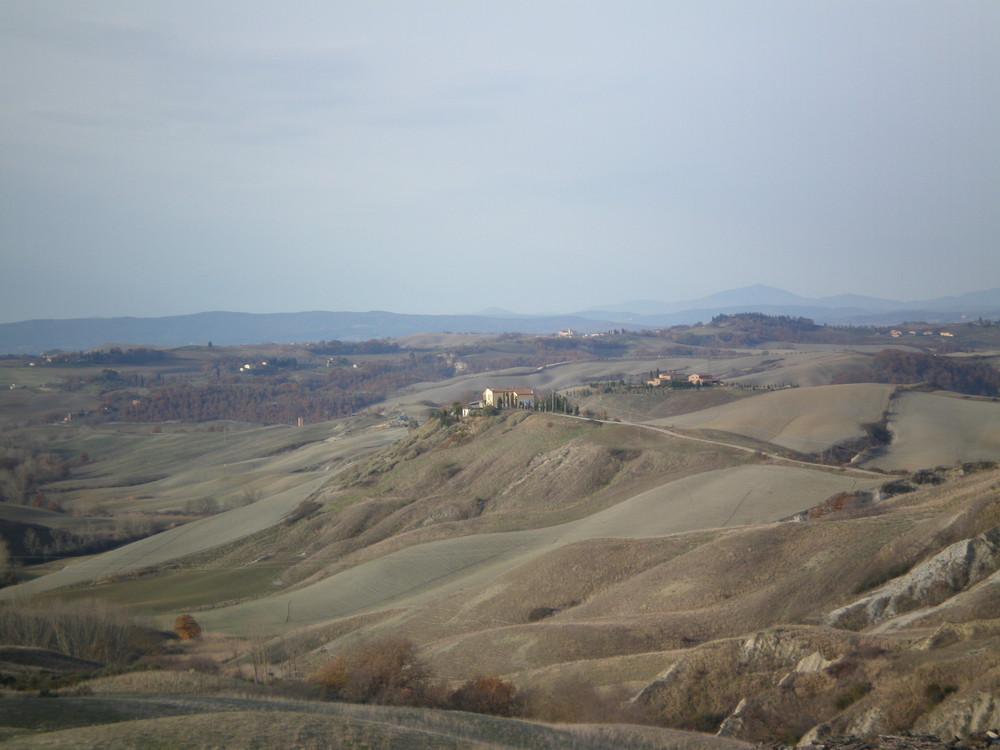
274, 398
754, 329
26, 467
976, 378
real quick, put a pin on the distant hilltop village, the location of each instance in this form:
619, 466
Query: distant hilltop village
526, 398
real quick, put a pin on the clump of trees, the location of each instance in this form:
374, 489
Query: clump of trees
113, 356
24, 468
753, 328
85, 629
555, 402
34, 543
487, 694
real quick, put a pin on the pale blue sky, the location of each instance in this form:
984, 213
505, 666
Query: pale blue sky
169, 157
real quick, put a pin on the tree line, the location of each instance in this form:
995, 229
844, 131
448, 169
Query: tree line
335, 348
113, 356
273, 399
975, 378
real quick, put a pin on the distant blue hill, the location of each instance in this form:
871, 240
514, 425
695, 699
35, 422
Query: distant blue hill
227, 328
852, 309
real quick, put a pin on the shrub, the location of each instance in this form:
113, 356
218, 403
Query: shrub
927, 476
187, 627
876, 578
385, 671
303, 510
852, 694
935, 693
331, 676
570, 701
540, 613
704, 721
487, 695
896, 487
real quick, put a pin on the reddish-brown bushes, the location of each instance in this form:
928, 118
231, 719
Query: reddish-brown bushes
187, 627
487, 695
388, 671
385, 671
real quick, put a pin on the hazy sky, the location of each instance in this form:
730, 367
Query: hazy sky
163, 157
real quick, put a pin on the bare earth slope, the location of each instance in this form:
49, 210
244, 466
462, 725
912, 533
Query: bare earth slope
941, 429
213, 531
741, 495
802, 368
803, 419
700, 622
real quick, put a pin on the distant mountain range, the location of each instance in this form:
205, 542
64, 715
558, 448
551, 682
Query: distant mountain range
227, 328
842, 309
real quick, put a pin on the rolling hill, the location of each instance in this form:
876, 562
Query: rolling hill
680, 552
233, 328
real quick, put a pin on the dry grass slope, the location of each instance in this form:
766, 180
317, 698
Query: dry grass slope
807, 420
265, 724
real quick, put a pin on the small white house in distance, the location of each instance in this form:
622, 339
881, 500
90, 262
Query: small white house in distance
509, 398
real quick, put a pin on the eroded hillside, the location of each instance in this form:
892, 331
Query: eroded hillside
739, 630
720, 588
452, 506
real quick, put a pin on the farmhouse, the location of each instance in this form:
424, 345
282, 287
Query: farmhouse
509, 398
666, 377
702, 378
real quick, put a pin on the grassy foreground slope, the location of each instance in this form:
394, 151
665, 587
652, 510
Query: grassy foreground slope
255, 721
